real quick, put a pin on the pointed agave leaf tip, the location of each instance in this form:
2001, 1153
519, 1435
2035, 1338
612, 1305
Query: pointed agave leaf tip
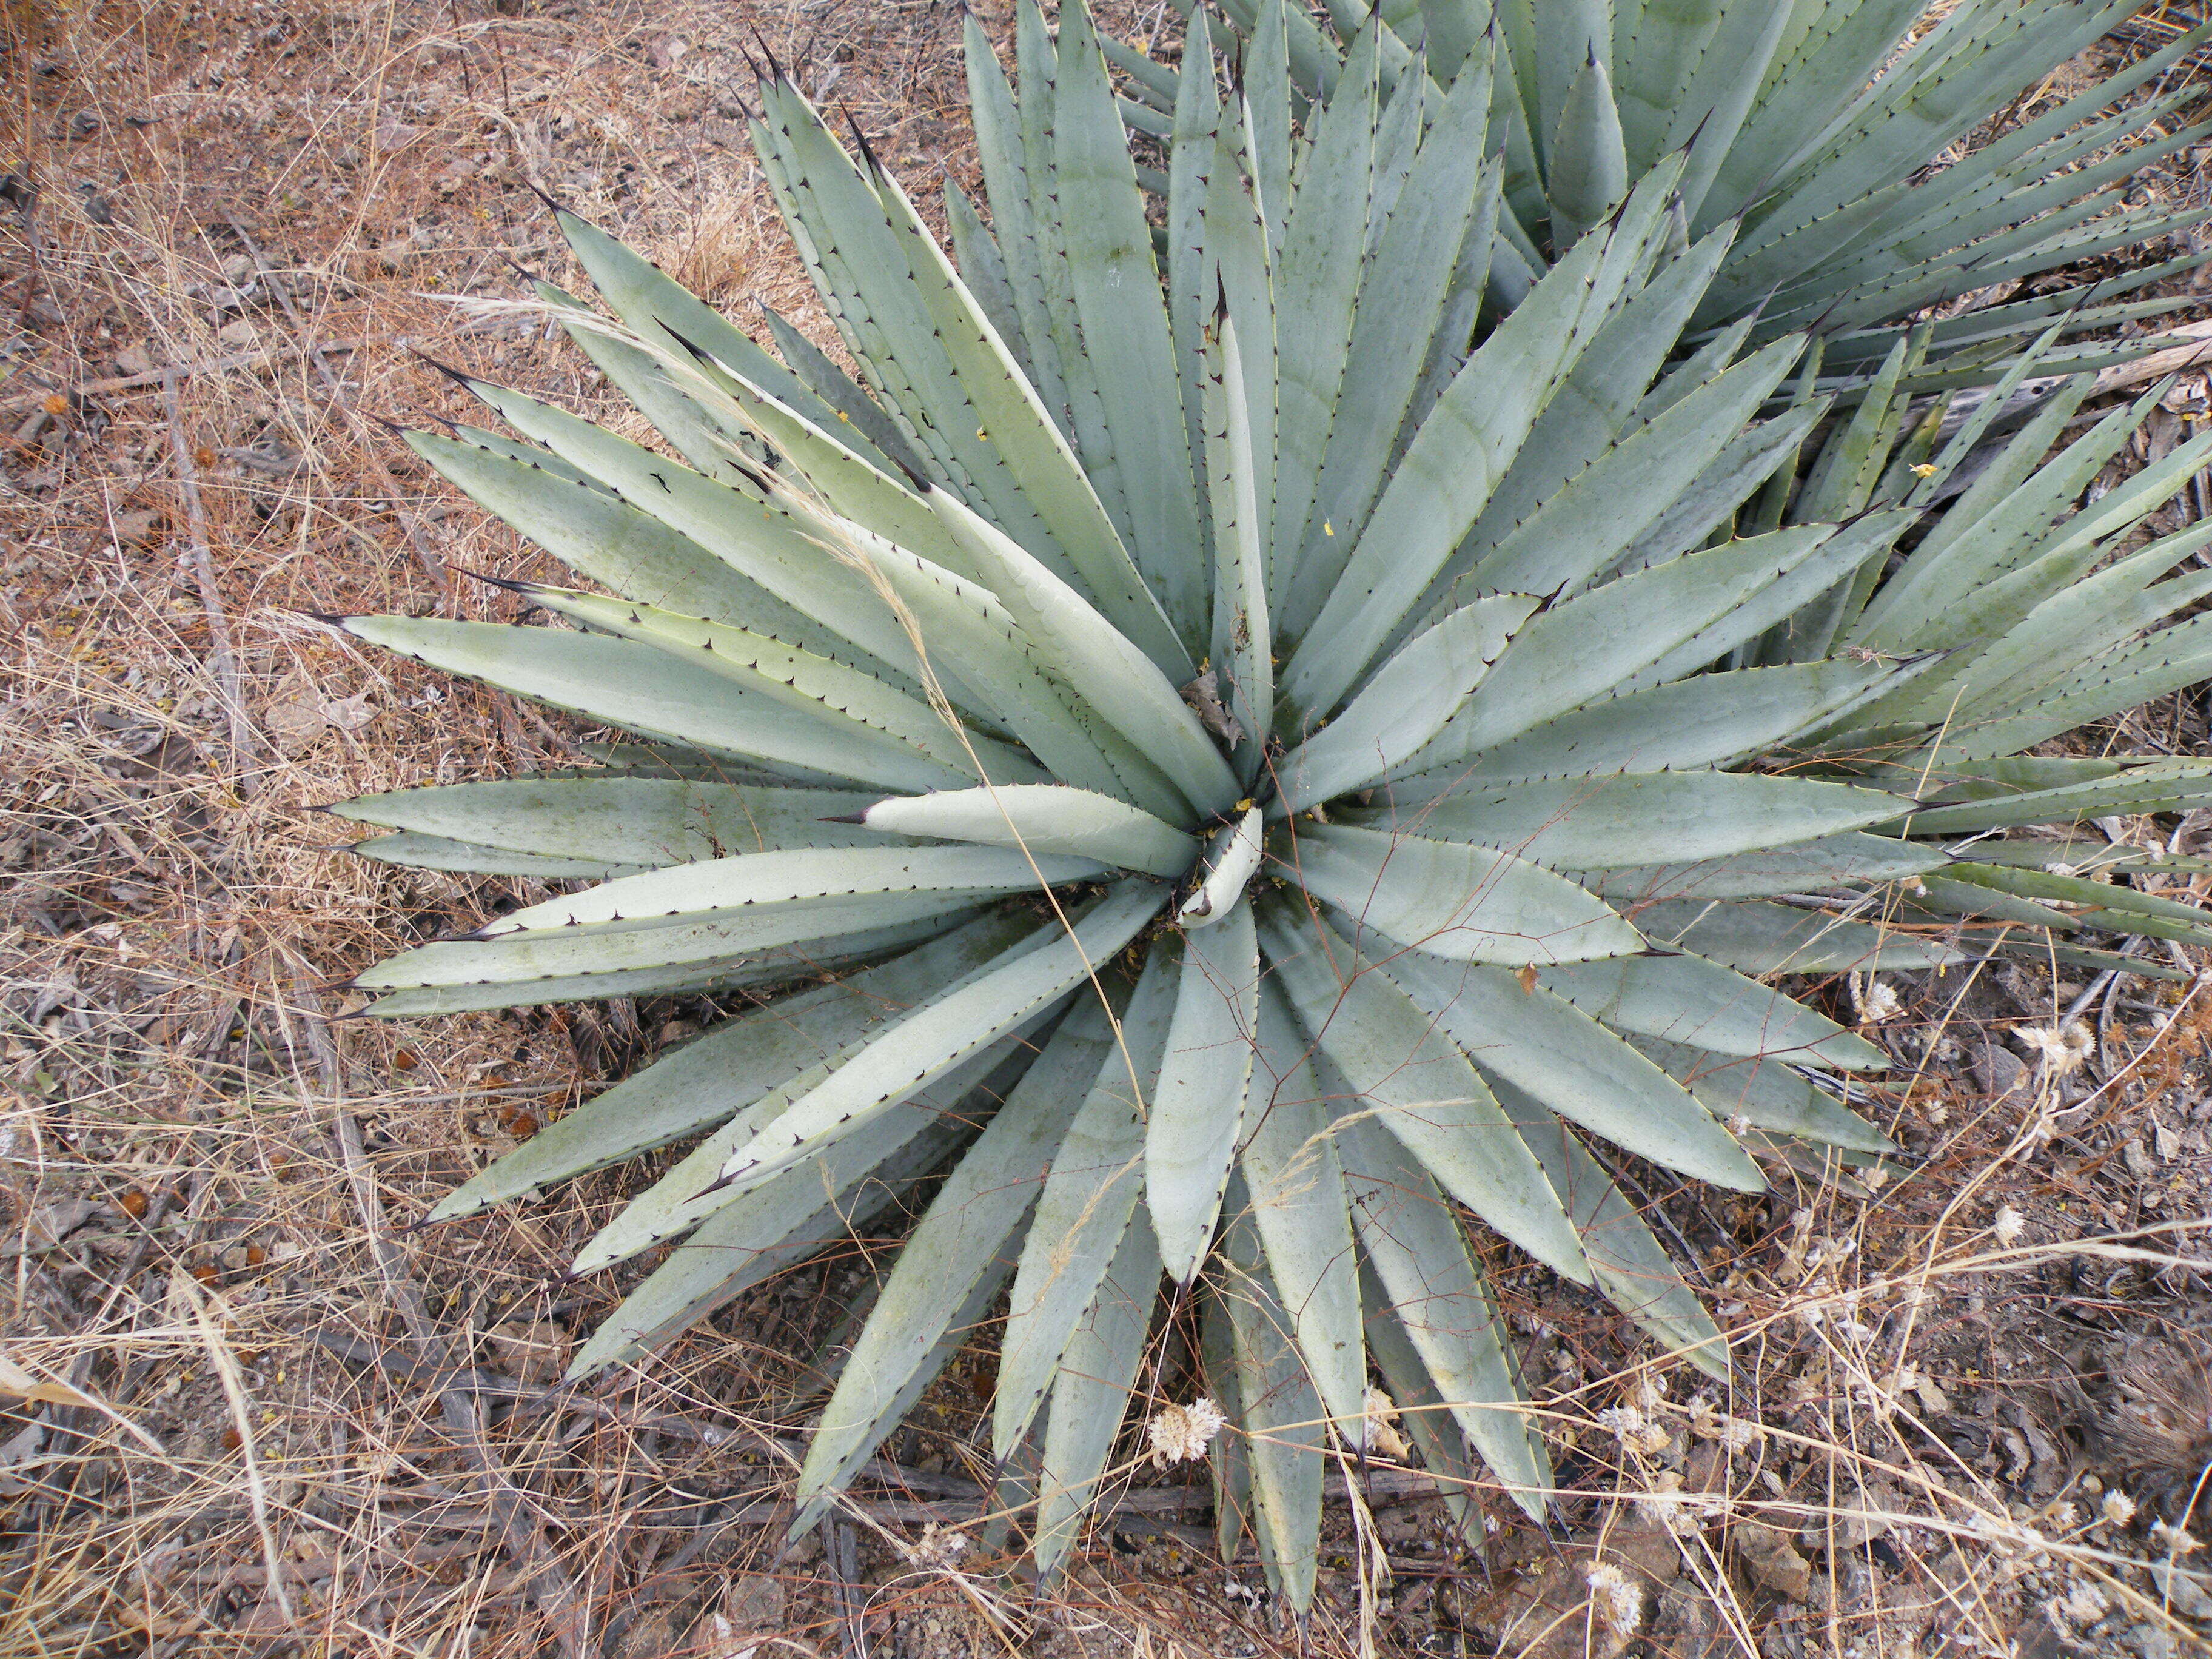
844, 817
696, 349
390, 425
775, 70
717, 1184
460, 377
921, 482
509, 583
328, 618
556, 209
867, 151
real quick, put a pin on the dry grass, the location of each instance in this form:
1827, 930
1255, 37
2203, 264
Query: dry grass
302, 1425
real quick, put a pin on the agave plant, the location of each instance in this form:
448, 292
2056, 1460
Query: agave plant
1225, 778
1824, 129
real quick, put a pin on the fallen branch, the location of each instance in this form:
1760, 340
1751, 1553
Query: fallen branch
2121, 376
524, 1543
267, 357
425, 553
962, 1497
223, 657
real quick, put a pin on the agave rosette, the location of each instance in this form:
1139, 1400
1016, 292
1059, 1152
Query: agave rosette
1233, 772
1828, 131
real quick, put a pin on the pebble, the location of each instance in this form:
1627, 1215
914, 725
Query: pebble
1774, 1562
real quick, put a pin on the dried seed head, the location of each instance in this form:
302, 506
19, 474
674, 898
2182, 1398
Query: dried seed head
1378, 1431
2061, 1050
1616, 1598
1180, 1433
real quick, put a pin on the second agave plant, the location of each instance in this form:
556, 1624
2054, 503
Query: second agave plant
1231, 780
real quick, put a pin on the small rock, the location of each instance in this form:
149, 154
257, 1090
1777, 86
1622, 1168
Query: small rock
2148, 1641
238, 269
239, 332
2044, 1640
84, 123
1998, 1070
294, 717
349, 714
2181, 1591
389, 259
1773, 1560
134, 360
137, 529
655, 1632
754, 1604
1877, 1502
50, 1224
1687, 1623
533, 1350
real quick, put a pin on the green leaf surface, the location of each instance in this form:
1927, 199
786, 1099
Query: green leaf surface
1086, 1210
1410, 1238
637, 687
1552, 1050
758, 662
1097, 1375
612, 819
1417, 1083
760, 879
1765, 1094
729, 1068
1047, 819
927, 1043
1755, 938
1608, 823
1588, 169
1281, 1418
1631, 1266
1685, 998
1452, 899
1447, 474
1291, 1171
746, 1242
1125, 324
1808, 867
1402, 707
1708, 720
1198, 1108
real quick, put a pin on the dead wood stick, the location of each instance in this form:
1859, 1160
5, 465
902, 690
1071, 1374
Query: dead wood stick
263, 358
960, 1497
425, 553
841, 1554
524, 1543
476, 1380
223, 658
2121, 376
